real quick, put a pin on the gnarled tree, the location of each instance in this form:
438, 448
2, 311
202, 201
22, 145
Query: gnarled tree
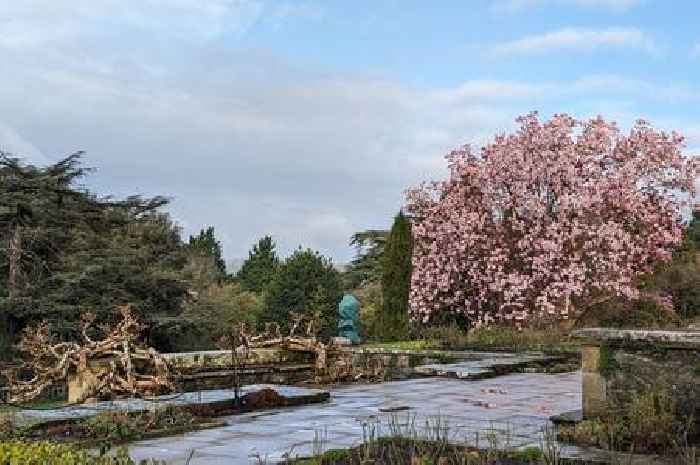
544, 223
132, 369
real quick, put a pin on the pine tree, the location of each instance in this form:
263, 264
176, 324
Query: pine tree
207, 244
396, 280
260, 266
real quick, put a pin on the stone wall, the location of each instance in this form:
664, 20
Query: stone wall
205, 370
618, 365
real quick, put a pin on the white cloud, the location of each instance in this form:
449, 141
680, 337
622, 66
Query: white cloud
13, 143
242, 140
519, 5
36, 23
602, 85
577, 39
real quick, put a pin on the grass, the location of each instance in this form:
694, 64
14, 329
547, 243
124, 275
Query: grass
491, 338
407, 440
404, 345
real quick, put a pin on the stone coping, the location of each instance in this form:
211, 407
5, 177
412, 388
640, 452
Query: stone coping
206, 397
355, 349
682, 338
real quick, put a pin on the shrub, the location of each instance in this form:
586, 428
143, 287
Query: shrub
47, 453
305, 283
651, 423
370, 297
9, 423
494, 337
220, 306
121, 426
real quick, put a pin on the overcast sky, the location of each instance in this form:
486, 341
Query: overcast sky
307, 120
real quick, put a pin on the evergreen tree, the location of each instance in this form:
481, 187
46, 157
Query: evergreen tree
396, 280
207, 244
67, 251
366, 267
680, 278
260, 266
305, 283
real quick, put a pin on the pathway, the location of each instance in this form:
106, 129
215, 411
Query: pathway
516, 406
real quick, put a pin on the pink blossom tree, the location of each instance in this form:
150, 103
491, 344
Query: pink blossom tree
544, 223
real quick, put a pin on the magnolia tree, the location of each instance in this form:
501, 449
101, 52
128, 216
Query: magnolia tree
544, 223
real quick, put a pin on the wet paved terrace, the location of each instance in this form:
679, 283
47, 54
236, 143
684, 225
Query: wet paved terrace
513, 408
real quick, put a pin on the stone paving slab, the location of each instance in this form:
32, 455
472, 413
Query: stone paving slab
480, 365
152, 403
514, 408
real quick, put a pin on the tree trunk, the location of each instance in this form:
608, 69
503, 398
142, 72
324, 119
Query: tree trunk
15, 262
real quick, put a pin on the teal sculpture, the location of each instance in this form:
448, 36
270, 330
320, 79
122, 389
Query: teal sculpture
349, 318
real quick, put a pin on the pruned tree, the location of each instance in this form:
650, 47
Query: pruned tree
301, 337
131, 368
545, 223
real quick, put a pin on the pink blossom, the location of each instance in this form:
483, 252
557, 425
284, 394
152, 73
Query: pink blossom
542, 222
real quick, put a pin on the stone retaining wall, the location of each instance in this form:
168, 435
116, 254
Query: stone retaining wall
617, 365
204, 370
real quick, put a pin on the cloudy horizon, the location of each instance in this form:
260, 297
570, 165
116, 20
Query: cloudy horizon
307, 120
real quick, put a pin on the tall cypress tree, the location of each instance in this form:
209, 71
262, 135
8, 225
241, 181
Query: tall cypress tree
260, 266
396, 280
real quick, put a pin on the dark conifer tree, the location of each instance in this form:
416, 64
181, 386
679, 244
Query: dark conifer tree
396, 280
260, 266
207, 244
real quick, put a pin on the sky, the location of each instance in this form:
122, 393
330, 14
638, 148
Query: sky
307, 120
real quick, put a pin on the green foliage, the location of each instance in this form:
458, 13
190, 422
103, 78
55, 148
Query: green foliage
396, 279
681, 277
305, 283
416, 344
47, 453
529, 454
217, 308
117, 426
366, 267
260, 266
70, 251
607, 363
497, 337
206, 244
370, 297
651, 423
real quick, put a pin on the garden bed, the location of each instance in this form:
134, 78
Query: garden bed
118, 426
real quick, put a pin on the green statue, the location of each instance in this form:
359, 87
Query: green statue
349, 318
